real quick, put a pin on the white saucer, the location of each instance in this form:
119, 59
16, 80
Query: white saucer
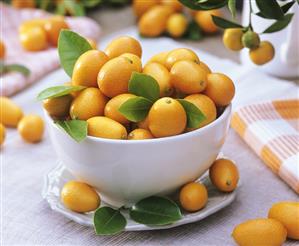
57, 177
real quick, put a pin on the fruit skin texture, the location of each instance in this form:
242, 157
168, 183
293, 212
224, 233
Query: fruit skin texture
167, 117
141, 6
180, 54
53, 26
139, 134
87, 67
114, 76
224, 175
205, 67
113, 105
11, 113
123, 45
261, 232
153, 22
262, 54
175, 4
205, 21
90, 102
159, 58
251, 40
176, 25
34, 39
58, 107
161, 75
32, 23
104, 127
2, 133
31, 128
2, 50
287, 213
188, 77
220, 88
193, 196
232, 39
143, 124
135, 60
79, 197
205, 105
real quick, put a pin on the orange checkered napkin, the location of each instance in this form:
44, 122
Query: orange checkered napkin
271, 130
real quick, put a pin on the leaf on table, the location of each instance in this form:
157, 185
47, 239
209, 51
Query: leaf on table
280, 24
76, 129
70, 47
194, 115
223, 23
145, 86
204, 4
270, 9
135, 109
14, 68
58, 91
108, 221
155, 210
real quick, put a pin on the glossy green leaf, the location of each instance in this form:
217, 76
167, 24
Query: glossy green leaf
193, 31
58, 91
280, 24
194, 115
223, 23
155, 210
270, 9
76, 129
135, 109
285, 8
232, 7
70, 47
14, 68
203, 4
145, 86
108, 221
91, 3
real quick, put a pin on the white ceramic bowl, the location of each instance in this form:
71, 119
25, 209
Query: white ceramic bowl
126, 171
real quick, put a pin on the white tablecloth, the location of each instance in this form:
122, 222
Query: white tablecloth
28, 220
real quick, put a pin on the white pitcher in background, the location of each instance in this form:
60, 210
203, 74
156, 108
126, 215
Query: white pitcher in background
286, 43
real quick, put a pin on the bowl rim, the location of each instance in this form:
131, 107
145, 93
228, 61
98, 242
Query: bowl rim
225, 114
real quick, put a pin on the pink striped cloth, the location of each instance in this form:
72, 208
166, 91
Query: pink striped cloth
40, 63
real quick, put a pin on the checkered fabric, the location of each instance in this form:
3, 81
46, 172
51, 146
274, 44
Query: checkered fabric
271, 130
40, 63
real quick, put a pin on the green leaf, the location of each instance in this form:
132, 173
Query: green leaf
74, 8
270, 9
60, 9
232, 7
14, 68
70, 47
280, 24
203, 4
108, 221
194, 115
193, 31
155, 210
58, 91
145, 86
285, 8
223, 23
77, 129
135, 109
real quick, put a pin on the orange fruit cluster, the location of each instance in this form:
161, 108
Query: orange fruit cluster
106, 74
158, 16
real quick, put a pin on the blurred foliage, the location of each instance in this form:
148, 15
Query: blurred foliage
75, 7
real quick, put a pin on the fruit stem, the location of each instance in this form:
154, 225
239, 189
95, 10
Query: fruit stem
250, 15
